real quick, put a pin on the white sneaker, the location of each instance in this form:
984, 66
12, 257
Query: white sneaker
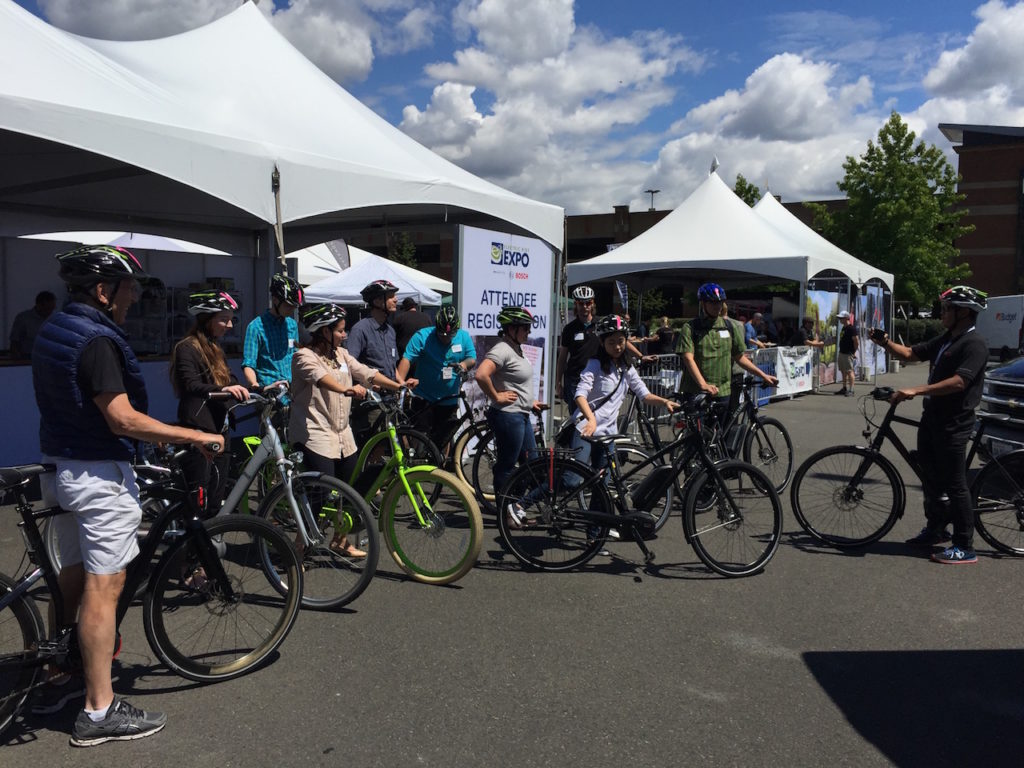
515, 515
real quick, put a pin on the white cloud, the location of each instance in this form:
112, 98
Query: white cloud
499, 26
132, 19
993, 56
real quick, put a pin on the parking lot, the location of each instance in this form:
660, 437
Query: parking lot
872, 658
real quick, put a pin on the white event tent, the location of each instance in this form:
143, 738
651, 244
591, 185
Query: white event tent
191, 136
317, 263
344, 287
714, 235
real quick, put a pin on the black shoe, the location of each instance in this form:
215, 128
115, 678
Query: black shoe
122, 723
840, 392
929, 537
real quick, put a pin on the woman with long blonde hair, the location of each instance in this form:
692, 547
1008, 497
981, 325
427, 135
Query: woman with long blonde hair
198, 367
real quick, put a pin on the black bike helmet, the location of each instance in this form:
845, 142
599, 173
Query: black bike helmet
84, 267
711, 292
208, 302
377, 289
286, 289
514, 316
611, 324
447, 321
966, 297
316, 316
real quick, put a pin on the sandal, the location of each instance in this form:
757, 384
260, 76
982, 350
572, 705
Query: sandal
345, 548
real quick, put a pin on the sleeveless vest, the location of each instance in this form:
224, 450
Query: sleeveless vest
70, 425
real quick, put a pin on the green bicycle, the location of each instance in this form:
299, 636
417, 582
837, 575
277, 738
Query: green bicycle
429, 519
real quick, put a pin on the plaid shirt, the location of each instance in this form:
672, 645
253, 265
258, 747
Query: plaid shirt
713, 350
269, 344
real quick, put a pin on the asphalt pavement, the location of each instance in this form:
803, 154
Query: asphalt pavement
872, 658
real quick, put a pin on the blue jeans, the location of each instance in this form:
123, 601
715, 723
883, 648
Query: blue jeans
513, 440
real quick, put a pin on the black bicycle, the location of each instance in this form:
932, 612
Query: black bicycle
850, 496
732, 516
211, 609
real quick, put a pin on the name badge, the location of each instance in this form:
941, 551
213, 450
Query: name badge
724, 334
446, 372
343, 367
394, 352
578, 337
291, 343
456, 347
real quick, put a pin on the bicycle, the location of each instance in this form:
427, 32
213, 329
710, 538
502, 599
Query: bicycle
849, 496
732, 516
320, 510
429, 520
212, 611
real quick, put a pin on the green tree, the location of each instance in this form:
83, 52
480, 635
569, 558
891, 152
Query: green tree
402, 249
747, 192
902, 213
654, 304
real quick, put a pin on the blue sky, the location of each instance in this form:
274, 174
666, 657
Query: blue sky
587, 104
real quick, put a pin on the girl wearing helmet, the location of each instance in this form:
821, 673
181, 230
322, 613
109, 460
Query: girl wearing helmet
956, 377
602, 388
325, 378
198, 367
506, 378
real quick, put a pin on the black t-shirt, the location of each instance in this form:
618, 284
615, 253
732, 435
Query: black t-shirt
100, 368
663, 346
799, 338
582, 343
406, 323
846, 337
966, 356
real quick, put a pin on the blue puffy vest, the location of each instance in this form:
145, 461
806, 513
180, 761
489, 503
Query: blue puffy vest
70, 425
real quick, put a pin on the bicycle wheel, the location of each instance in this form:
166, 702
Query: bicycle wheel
558, 535
333, 577
768, 447
464, 451
740, 532
997, 494
629, 457
418, 450
842, 512
483, 468
198, 630
21, 630
433, 530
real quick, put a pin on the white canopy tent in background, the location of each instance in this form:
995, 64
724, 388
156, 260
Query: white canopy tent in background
318, 262
344, 287
189, 135
128, 240
860, 272
717, 236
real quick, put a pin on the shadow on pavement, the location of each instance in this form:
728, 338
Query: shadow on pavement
930, 707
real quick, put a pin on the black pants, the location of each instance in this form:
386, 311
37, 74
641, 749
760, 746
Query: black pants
943, 457
435, 420
206, 480
340, 468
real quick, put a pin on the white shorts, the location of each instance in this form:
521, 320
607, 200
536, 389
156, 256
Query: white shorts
102, 499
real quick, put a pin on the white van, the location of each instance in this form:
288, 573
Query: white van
1002, 325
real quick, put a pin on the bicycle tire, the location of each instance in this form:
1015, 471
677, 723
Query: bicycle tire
483, 469
734, 542
997, 495
418, 450
561, 538
463, 454
331, 577
444, 546
768, 447
203, 635
21, 631
630, 456
835, 512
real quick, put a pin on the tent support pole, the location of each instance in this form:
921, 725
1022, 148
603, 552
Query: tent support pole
275, 186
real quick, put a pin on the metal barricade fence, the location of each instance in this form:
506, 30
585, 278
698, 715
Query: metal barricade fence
663, 377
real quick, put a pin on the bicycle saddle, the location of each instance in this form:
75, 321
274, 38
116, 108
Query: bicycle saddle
11, 477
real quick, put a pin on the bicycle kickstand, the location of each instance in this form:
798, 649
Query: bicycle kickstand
648, 553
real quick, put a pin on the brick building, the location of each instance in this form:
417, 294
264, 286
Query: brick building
991, 164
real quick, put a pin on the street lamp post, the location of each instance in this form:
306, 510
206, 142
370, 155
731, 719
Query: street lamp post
652, 193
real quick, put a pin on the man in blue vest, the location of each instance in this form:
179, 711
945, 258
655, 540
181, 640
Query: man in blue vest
92, 399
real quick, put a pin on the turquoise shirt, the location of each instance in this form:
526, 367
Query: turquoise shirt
432, 358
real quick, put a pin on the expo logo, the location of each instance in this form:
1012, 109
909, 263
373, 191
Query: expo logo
500, 256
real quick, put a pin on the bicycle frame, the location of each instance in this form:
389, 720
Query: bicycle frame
395, 466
